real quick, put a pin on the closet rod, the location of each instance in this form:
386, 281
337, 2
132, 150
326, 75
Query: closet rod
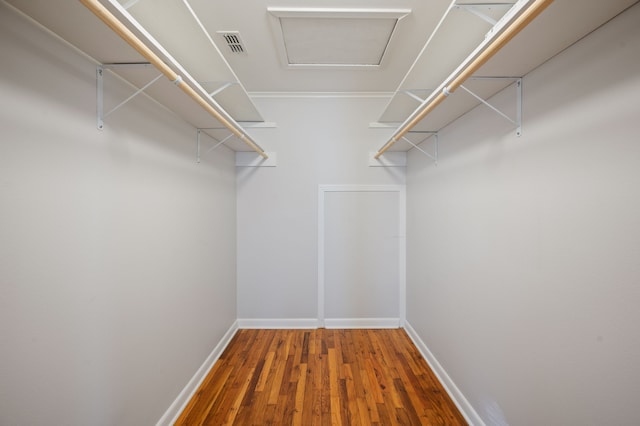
475, 61
127, 35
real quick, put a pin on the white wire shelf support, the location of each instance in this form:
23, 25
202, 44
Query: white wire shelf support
212, 148
130, 3
221, 88
245, 124
414, 96
101, 114
430, 134
517, 121
475, 9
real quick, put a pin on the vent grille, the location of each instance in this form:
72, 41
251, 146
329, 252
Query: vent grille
233, 41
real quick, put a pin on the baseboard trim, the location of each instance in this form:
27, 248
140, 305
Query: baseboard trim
176, 408
275, 323
470, 415
311, 323
362, 322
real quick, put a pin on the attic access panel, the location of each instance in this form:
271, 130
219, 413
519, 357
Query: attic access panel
354, 38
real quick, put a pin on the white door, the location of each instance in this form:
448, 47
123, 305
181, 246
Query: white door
362, 257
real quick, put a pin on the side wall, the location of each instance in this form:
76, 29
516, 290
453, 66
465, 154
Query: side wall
523, 253
319, 140
117, 250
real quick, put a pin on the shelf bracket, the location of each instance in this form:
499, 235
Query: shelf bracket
252, 124
412, 95
221, 88
473, 9
99, 97
258, 124
385, 125
130, 3
101, 115
198, 144
518, 120
430, 134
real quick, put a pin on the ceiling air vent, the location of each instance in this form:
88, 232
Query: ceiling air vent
233, 41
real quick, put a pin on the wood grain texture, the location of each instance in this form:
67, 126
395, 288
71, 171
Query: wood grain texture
321, 377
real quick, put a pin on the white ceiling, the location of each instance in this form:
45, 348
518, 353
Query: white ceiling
263, 70
416, 60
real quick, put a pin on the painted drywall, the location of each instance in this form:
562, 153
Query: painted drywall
117, 250
319, 140
523, 273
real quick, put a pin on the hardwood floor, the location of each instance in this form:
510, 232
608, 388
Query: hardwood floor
321, 377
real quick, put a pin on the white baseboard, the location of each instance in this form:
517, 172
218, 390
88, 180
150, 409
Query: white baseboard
293, 323
283, 323
174, 410
362, 322
470, 415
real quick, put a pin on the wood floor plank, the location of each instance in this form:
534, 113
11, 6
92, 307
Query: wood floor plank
321, 377
334, 393
235, 407
266, 369
372, 407
300, 395
375, 380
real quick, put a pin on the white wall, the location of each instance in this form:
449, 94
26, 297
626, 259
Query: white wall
117, 250
523, 253
319, 140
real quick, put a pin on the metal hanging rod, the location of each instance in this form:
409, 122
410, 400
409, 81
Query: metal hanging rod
518, 17
127, 35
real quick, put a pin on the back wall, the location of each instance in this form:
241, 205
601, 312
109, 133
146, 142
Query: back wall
319, 140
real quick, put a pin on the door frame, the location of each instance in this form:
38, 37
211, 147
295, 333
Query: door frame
402, 246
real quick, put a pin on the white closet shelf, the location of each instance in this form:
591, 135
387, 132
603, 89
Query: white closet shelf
92, 37
544, 37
